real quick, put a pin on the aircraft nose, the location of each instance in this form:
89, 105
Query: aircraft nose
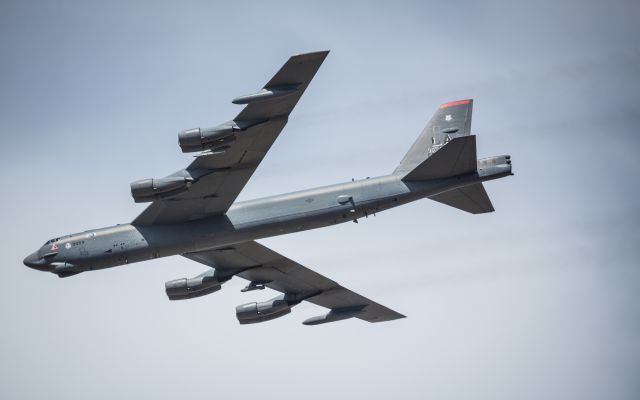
33, 261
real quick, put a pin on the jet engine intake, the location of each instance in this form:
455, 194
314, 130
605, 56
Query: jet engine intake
188, 288
215, 139
146, 190
252, 313
199, 139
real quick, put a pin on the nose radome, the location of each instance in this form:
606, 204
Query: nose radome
32, 260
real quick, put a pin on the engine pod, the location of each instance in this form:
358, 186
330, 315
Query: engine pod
252, 313
188, 288
200, 139
146, 190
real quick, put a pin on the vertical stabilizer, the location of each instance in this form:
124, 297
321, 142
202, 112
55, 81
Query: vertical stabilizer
451, 120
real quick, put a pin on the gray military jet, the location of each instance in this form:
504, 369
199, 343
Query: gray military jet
193, 212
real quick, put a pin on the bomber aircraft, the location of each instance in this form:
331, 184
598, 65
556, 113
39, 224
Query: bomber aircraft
193, 212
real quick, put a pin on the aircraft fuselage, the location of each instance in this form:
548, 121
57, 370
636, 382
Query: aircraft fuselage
244, 221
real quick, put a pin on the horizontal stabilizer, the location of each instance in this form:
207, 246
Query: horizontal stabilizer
457, 157
472, 199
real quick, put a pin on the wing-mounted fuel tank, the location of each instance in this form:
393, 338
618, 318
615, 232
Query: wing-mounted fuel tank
188, 288
335, 315
267, 93
152, 189
252, 313
216, 138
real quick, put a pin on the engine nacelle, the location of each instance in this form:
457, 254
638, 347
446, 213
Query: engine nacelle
146, 190
216, 139
252, 313
181, 289
199, 139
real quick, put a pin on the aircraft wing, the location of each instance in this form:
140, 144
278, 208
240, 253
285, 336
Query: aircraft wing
257, 263
222, 173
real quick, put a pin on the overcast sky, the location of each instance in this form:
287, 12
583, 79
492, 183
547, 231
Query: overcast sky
539, 300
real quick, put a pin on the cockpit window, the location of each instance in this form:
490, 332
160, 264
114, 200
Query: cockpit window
51, 241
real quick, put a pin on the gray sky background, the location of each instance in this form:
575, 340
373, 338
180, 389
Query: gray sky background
537, 300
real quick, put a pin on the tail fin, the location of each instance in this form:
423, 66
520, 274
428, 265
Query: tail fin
451, 121
445, 148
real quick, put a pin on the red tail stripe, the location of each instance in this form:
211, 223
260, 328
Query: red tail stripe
455, 103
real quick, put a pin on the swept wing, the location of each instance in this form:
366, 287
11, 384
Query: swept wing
257, 263
219, 174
